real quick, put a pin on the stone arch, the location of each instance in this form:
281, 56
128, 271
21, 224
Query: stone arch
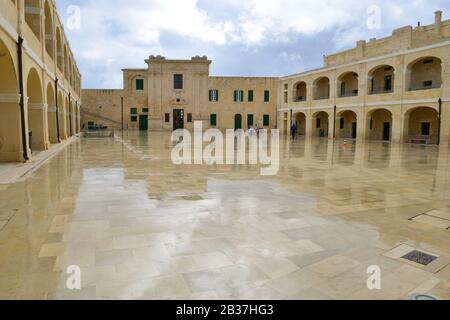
421, 125
321, 124
300, 91
36, 111
59, 51
424, 73
348, 84
51, 114
321, 88
299, 119
49, 30
379, 126
10, 120
33, 16
347, 124
381, 79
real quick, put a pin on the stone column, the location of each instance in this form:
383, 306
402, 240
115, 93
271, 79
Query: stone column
10, 128
445, 124
397, 128
361, 123
309, 126
36, 124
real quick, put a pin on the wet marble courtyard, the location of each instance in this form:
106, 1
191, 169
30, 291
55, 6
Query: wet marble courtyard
140, 227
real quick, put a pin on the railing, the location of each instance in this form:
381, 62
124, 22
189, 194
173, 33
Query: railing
424, 87
348, 94
322, 97
381, 91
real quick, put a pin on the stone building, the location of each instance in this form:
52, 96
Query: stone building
40, 92
393, 89
172, 94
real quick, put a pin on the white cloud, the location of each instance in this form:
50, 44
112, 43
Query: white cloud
121, 33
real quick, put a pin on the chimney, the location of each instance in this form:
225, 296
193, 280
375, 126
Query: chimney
438, 22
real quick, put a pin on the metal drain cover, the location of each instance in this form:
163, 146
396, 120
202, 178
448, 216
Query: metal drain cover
420, 257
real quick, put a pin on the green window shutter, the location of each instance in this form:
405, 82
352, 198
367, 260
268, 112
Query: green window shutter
235, 95
266, 120
210, 95
250, 96
250, 120
133, 118
267, 96
133, 111
144, 110
217, 95
213, 120
139, 84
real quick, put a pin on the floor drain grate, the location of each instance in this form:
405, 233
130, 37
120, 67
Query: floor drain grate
420, 257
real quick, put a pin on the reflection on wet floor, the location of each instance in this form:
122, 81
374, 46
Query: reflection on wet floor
140, 227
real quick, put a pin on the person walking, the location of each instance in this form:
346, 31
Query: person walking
293, 131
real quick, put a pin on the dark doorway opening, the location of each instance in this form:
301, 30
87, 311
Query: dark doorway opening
143, 122
426, 128
237, 122
178, 119
354, 130
387, 131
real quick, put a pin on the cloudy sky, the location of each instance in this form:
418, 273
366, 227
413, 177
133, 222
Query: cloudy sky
242, 37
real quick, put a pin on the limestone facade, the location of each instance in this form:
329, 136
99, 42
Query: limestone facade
176, 93
40, 84
396, 89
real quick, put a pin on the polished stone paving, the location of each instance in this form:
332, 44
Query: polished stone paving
140, 227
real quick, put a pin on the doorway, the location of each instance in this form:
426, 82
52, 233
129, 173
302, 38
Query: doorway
354, 130
143, 123
178, 119
426, 128
237, 122
386, 131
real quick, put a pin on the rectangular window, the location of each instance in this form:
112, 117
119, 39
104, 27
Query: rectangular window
133, 118
266, 120
133, 111
189, 117
250, 96
267, 96
318, 124
139, 84
144, 110
238, 96
178, 81
250, 120
286, 97
286, 86
167, 117
214, 95
428, 84
213, 120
